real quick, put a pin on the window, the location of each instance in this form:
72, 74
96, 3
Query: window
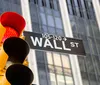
82, 63
67, 72
70, 9
16, 2
93, 80
43, 18
65, 61
69, 80
58, 22
44, 3
96, 64
72, 3
42, 74
56, 5
85, 82
50, 30
68, 2
80, 8
49, 58
57, 59
89, 64
52, 79
50, 20
35, 27
60, 32
60, 80
74, 11
87, 9
44, 29
40, 57
51, 4
34, 1
51, 69
81, 13
73, 7
58, 70
79, 3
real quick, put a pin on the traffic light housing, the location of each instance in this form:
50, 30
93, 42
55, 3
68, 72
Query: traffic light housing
13, 50
11, 25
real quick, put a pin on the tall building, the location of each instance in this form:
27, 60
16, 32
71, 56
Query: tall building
77, 19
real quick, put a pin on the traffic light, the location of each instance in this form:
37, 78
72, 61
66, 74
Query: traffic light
11, 25
13, 50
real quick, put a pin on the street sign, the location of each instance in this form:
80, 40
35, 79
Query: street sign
54, 43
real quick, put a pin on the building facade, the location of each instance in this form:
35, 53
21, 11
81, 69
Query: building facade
77, 19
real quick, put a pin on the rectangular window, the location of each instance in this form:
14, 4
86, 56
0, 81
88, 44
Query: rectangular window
35, 1
72, 3
81, 13
48, 3
43, 18
67, 72
79, 3
73, 7
92, 10
89, 64
58, 23
68, 2
52, 79
56, 5
58, 70
49, 58
60, 32
80, 8
70, 9
50, 69
40, 57
51, 4
44, 29
69, 80
50, 21
82, 64
42, 74
60, 80
57, 59
65, 60
44, 3
86, 4
74, 11
50, 30
87, 9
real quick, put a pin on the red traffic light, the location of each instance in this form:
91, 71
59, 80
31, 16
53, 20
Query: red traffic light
13, 24
9, 33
